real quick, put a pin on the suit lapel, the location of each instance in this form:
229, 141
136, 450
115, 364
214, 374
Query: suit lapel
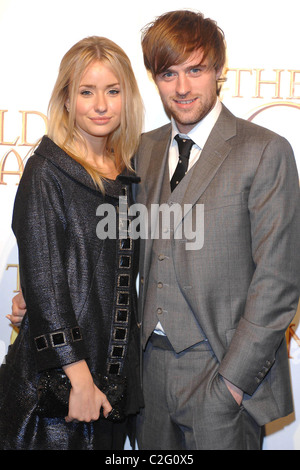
211, 159
155, 171
153, 181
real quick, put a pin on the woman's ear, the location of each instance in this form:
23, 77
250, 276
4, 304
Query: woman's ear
67, 105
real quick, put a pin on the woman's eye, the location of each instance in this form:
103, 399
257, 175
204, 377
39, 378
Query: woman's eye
114, 92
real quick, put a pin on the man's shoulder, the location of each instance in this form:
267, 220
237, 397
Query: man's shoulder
154, 140
156, 134
257, 138
248, 128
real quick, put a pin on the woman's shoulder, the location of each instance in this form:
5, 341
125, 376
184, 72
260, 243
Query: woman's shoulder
41, 172
49, 162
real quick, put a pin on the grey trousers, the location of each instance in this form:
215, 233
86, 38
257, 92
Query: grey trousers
188, 405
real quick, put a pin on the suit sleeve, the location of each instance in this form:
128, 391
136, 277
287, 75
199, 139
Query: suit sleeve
39, 224
274, 211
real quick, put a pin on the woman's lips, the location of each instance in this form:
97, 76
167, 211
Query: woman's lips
100, 120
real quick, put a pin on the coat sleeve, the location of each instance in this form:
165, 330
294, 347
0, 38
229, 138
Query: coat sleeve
39, 224
274, 210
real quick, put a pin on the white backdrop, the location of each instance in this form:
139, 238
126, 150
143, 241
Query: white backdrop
263, 85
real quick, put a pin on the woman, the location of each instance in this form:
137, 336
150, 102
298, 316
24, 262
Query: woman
78, 286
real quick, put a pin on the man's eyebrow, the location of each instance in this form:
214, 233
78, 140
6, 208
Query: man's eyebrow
197, 66
201, 65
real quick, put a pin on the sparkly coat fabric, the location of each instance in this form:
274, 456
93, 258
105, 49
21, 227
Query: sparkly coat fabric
81, 301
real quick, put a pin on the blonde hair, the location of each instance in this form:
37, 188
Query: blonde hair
122, 143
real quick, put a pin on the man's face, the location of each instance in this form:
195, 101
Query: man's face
188, 91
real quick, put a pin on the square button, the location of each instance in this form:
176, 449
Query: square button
120, 334
114, 368
124, 261
123, 298
125, 244
58, 339
118, 351
121, 315
41, 343
123, 280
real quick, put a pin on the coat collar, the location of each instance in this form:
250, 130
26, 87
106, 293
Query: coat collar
58, 157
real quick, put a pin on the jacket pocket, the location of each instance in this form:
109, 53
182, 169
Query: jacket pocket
226, 395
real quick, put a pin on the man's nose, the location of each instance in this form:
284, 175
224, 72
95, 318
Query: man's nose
182, 85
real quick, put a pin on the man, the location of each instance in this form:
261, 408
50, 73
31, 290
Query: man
214, 316
215, 364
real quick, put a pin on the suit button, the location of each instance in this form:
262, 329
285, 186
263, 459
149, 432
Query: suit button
159, 311
160, 285
142, 280
161, 257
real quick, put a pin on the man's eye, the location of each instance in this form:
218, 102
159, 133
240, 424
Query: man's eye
167, 75
197, 70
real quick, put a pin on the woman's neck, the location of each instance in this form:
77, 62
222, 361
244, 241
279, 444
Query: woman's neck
98, 157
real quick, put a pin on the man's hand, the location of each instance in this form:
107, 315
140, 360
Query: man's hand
18, 310
235, 391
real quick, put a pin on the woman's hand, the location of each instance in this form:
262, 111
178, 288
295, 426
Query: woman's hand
86, 400
18, 310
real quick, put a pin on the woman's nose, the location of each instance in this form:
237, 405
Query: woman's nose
100, 103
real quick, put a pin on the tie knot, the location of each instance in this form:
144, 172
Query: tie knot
184, 146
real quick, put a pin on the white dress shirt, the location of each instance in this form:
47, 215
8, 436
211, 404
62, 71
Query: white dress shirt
199, 134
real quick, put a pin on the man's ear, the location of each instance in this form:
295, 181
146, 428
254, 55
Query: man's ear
219, 73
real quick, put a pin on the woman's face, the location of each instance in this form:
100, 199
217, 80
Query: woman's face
99, 101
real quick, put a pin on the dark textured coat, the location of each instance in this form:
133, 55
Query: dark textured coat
71, 284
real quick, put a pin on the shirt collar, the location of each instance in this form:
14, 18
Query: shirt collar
199, 134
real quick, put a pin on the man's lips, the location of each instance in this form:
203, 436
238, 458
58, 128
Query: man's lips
185, 103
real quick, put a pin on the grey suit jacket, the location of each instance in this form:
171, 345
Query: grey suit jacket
243, 284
